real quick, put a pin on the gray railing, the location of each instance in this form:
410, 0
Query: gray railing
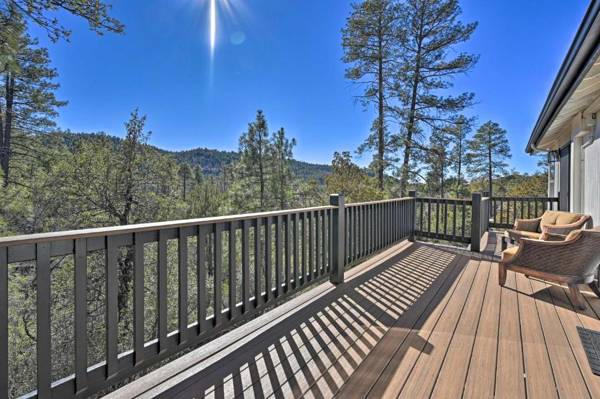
241, 264
373, 226
235, 265
226, 270
504, 210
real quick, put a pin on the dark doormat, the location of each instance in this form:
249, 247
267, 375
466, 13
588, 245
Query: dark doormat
590, 340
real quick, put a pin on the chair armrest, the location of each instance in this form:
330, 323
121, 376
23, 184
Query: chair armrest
547, 256
527, 224
564, 229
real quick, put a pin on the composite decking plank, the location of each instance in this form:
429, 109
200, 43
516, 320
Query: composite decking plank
422, 379
481, 375
401, 274
539, 376
248, 351
510, 381
450, 380
570, 319
569, 381
365, 376
402, 360
371, 330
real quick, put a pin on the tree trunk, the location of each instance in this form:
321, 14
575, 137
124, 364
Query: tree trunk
490, 166
380, 121
6, 142
410, 127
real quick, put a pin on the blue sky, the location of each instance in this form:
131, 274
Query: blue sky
283, 56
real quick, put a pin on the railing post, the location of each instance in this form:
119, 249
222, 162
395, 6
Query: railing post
338, 232
413, 215
475, 222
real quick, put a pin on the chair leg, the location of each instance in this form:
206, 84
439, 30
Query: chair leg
501, 274
576, 297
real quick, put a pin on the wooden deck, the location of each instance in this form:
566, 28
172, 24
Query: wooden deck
418, 321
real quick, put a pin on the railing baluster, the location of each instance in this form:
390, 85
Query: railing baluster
454, 220
258, 262
288, 252
183, 286
81, 358
279, 255
44, 361
4, 322
304, 248
232, 270
245, 266
268, 259
201, 278
296, 249
445, 218
464, 216
112, 307
318, 243
162, 291
326, 235
218, 273
138, 298
311, 245
429, 215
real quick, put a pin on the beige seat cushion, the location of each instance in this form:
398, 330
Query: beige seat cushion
509, 253
549, 217
567, 218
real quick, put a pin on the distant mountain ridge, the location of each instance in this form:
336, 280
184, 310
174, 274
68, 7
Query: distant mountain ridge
211, 161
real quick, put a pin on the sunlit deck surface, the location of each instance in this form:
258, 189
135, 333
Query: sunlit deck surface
417, 321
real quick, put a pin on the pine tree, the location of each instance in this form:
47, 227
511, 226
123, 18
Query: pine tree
431, 30
281, 155
185, 173
39, 12
255, 166
459, 130
437, 160
488, 151
349, 179
370, 43
27, 101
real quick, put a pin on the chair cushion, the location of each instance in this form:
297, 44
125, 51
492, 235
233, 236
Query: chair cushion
509, 253
549, 217
567, 218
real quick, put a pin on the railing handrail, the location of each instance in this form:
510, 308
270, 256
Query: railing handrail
385, 201
504, 197
142, 227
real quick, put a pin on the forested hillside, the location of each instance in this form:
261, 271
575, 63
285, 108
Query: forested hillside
212, 162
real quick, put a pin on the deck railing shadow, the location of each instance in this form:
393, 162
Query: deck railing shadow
318, 348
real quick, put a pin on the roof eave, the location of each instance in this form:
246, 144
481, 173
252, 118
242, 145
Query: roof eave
580, 57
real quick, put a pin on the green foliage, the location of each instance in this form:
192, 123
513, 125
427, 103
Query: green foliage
488, 151
430, 31
351, 181
27, 100
370, 43
43, 14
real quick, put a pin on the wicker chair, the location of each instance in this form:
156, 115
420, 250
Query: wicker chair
572, 262
555, 223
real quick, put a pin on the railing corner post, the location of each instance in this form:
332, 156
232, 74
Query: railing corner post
413, 215
337, 239
476, 232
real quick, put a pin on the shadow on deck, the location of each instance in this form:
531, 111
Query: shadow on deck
417, 321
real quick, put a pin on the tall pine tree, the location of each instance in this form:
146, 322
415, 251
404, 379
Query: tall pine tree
370, 43
488, 152
27, 100
281, 155
431, 30
459, 130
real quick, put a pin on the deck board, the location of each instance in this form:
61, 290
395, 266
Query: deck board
423, 321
